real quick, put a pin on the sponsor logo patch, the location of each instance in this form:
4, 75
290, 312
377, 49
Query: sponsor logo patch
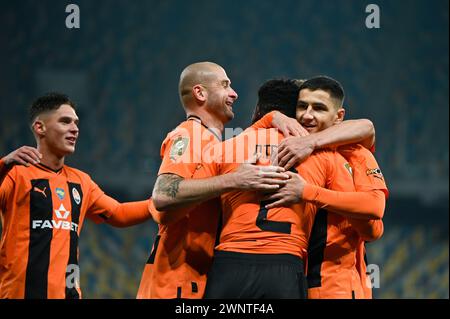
62, 212
179, 146
376, 172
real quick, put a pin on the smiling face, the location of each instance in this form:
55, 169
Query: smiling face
205, 90
57, 130
317, 110
221, 95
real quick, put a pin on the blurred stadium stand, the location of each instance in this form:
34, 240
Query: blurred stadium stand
122, 68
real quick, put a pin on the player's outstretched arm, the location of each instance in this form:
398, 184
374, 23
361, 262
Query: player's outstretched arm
169, 217
293, 150
25, 155
286, 125
130, 214
106, 209
173, 192
358, 205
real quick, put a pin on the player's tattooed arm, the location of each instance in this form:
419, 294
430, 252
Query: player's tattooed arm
168, 185
173, 192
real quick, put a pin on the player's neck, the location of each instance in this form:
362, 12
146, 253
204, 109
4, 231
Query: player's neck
212, 122
50, 159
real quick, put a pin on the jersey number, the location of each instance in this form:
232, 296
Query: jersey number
269, 225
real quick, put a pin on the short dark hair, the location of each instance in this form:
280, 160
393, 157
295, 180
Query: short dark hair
327, 84
277, 95
48, 102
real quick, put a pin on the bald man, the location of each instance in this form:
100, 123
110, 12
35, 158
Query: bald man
187, 198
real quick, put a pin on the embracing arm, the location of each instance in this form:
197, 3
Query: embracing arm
25, 155
169, 217
293, 150
107, 209
347, 132
130, 214
173, 192
369, 230
286, 125
358, 205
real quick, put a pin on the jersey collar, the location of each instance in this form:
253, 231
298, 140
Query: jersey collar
199, 120
46, 168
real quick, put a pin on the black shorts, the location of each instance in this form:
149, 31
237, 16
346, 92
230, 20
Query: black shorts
256, 276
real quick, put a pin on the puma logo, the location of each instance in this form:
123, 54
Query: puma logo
40, 191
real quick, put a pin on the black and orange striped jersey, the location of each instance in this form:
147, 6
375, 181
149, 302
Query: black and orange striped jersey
182, 252
334, 254
248, 227
42, 213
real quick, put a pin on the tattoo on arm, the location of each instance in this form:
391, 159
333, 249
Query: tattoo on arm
168, 185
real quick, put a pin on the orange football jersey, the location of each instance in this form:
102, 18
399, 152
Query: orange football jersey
182, 252
42, 212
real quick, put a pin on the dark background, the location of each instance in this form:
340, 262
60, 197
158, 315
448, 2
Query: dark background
122, 69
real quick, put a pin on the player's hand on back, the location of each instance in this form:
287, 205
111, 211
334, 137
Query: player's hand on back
287, 125
289, 194
294, 150
249, 176
25, 155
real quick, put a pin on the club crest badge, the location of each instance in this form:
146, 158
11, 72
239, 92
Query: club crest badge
348, 168
76, 196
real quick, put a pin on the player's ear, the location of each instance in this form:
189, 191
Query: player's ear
199, 92
38, 127
339, 116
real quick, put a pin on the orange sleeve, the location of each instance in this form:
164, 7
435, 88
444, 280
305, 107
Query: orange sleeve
366, 172
107, 209
265, 122
367, 205
181, 151
100, 206
102, 209
3, 171
130, 214
165, 218
368, 230
6, 184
